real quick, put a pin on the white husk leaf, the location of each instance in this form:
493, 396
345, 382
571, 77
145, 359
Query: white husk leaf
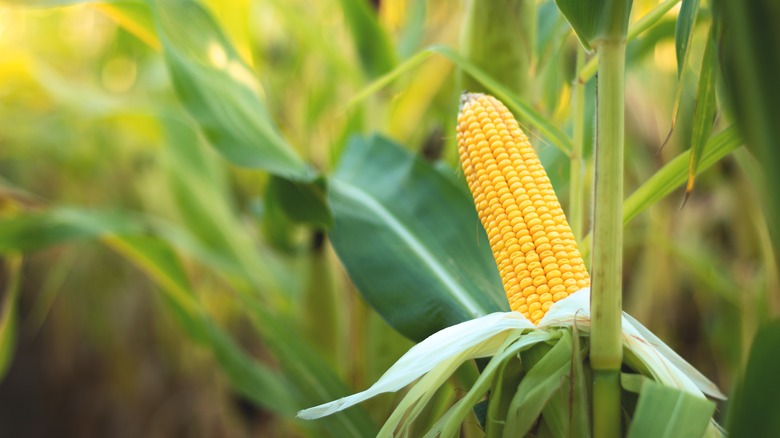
485, 334
666, 365
482, 337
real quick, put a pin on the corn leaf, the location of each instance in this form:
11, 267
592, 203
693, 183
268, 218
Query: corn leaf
521, 108
434, 268
202, 199
499, 39
675, 173
666, 412
258, 382
568, 411
672, 175
371, 40
704, 113
686, 22
748, 45
134, 16
502, 392
451, 422
220, 91
592, 20
753, 409
8, 312
301, 202
306, 380
539, 386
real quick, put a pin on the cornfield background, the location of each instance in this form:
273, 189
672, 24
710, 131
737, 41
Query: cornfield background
169, 199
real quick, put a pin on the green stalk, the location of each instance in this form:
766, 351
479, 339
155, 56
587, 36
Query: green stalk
576, 186
606, 352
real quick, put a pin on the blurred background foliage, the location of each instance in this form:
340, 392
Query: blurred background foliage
90, 120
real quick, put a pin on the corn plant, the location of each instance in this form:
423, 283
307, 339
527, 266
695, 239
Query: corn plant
309, 158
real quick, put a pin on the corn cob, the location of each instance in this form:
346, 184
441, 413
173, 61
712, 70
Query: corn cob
531, 240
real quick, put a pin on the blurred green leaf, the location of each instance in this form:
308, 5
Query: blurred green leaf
593, 20
671, 176
525, 113
301, 202
675, 172
221, 92
134, 16
8, 312
704, 113
753, 410
410, 240
306, 380
26, 233
203, 200
666, 412
499, 39
686, 21
749, 43
256, 381
371, 40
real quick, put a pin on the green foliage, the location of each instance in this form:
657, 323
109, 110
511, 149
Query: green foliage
370, 39
755, 404
9, 318
220, 92
594, 20
704, 113
668, 412
499, 38
403, 232
221, 173
749, 75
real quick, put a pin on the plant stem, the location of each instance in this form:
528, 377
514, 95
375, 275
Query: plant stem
576, 186
607, 265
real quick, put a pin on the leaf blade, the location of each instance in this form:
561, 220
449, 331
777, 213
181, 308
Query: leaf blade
383, 197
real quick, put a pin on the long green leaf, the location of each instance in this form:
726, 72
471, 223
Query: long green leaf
220, 91
306, 380
202, 198
499, 38
256, 381
371, 40
749, 43
522, 109
705, 109
410, 240
251, 378
8, 312
686, 22
673, 175
538, 386
666, 412
451, 422
753, 411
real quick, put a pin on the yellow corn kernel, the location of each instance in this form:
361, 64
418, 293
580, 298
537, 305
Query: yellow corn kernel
531, 241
